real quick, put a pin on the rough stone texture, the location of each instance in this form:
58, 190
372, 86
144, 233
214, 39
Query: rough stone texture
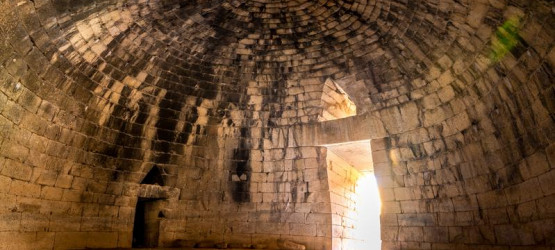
342, 179
336, 103
224, 97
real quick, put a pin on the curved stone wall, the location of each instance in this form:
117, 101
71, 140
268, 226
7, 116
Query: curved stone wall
94, 94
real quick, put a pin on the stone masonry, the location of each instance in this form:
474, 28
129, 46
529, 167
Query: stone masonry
228, 106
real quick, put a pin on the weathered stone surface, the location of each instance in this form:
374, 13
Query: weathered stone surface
286, 244
233, 101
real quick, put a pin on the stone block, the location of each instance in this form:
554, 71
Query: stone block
70, 240
25, 189
391, 207
446, 219
13, 112
387, 194
523, 192
47, 178
445, 78
497, 215
535, 165
379, 144
445, 62
411, 206
550, 152
456, 124
17, 240
272, 228
96, 224
426, 219
29, 101
244, 228
492, 199
3, 99
47, 110
400, 119
65, 223
10, 222
527, 211
404, 194
102, 239
446, 94
464, 218
409, 113
5, 183
436, 234
302, 229
466, 203
125, 239
44, 240
64, 181
410, 234
547, 183
434, 116
72, 195
29, 205
55, 207
34, 222
546, 206
14, 151
507, 235
430, 101
380, 156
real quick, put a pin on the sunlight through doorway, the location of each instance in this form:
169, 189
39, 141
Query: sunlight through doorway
368, 206
354, 197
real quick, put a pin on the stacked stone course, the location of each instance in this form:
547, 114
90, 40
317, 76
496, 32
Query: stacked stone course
224, 97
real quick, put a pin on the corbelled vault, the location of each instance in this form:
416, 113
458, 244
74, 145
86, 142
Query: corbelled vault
211, 123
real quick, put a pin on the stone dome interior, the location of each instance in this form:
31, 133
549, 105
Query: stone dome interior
224, 117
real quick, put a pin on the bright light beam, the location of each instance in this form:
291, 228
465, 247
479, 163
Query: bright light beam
368, 206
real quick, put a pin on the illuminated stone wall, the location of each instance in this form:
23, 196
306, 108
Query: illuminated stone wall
94, 94
342, 179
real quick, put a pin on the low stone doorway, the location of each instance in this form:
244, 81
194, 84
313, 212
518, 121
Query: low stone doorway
151, 212
146, 229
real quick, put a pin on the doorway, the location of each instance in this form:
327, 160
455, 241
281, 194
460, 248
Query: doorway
146, 229
354, 196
